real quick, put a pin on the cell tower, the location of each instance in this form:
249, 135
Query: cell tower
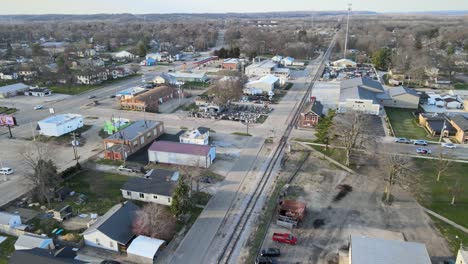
347, 29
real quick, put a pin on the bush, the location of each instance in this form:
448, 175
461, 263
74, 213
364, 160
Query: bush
70, 171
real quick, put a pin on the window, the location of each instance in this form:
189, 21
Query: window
142, 195
111, 244
169, 199
155, 196
135, 143
148, 135
142, 140
129, 193
155, 132
97, 241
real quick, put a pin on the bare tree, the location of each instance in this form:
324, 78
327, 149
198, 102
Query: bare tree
348, 131
226, 90
456, 187
155, 221
44, 177
441, 165
396, 169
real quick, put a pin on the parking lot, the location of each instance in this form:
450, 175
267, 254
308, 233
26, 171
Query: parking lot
237, 112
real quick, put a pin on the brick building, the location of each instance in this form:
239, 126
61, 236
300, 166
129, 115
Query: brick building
311, 113
149, 101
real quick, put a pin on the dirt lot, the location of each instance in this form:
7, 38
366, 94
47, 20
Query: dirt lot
359, 212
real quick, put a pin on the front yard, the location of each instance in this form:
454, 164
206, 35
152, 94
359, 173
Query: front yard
404, 124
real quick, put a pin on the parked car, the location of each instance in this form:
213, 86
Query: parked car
91, 96
126, 168
37, 107
6, 171
284, 238
270, 252
424, 151
403, 140
420, 142
264, 260
112, 96
449, 145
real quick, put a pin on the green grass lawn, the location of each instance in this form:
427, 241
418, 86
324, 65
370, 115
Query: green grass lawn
450, 233
7, 248
242, 134
7, 111
404, 123
63, 139
101, 188
437, 194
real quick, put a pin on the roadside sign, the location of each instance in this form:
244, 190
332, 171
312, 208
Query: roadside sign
7, 120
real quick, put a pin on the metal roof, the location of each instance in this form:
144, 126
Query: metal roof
13, 87
41, 256
365, 250
134, 130
181, 148
145, 246
402, 90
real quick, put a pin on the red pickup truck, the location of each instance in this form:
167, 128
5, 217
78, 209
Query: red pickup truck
284, 238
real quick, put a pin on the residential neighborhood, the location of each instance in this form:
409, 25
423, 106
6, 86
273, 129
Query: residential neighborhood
235, 133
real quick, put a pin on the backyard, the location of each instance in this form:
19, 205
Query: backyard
404, 123
6, 248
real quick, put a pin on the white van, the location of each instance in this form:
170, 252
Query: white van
6, 171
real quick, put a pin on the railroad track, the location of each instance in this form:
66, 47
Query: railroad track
246, 214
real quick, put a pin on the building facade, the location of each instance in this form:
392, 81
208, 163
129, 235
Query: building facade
182, 154
58, 125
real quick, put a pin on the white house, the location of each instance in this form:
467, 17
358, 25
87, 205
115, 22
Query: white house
8, 76
265, 85
124, 55
144, 249
199, 136
57, 125
182, 154
29, 241
288, 61
8, 220
156, 186
113, 230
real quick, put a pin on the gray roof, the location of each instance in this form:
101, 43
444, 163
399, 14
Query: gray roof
117, 223
13, 87
357, 93
317, 108
363, 82
5, 218
41, 256
365, 250
461, 121
362, 88
402, 90
156, 181
134, 130
30, 240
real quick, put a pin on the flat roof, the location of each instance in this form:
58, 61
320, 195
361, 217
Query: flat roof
181, 148
13, 87
134, 130
366, 250
267, 64
58, 119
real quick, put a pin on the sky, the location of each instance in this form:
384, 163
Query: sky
219, 6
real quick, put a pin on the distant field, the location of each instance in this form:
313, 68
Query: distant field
404, 123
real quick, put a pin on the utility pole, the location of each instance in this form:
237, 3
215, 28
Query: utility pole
347, 29
32, 131
75, 150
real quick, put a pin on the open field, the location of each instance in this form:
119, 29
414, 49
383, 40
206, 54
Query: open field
404, 123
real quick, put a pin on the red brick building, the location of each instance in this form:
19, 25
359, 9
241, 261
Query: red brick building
149, 101
311, 114
231, 64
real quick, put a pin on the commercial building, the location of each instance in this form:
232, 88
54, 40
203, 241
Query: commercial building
231, 64
179, 77
113, 230
198, 136
182, 154
287, 61
361, 94
402, 97
265, 84
260, 68
366, 250
132, 138
58, 125
157, 186
149, 101
39, 92
130, 93
311, 114
13, 90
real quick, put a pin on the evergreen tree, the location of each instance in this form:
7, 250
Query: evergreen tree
181, 203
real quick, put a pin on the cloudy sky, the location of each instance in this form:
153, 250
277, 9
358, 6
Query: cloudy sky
221, 6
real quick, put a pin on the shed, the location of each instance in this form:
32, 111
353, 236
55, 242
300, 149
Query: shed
144, 249
9, 220
29, 241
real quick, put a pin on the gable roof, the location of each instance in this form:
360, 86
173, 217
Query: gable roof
5, 218
461, 121
156, 181
43, 256
365, 250
117, 223
181, 148
402, 90
363, 82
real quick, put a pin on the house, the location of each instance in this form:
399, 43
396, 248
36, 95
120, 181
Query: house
436, 124
8, 220
231, 64
179, 77
13, 90
120, 73
397, 75
311, 114
287, 61
199, 136
144, 249
149, 101
265, 85
65, 255
131, 138
92, 77
29, 241
100, 48
460, 123
182, 154
462, 256
344, 63
113, 230
157, 186
402, 97
124, 55
39, 92
159, 56
57, 125
366, 250
8, 76
361, 94
260, 68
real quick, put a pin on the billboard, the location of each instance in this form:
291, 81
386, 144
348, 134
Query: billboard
7, 120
